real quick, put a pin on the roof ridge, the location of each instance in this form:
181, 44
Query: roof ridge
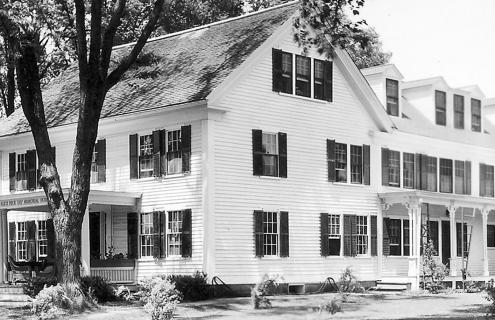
170, 35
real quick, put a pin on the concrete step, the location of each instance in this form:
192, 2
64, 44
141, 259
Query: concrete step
392, 286
11, 289
14, 297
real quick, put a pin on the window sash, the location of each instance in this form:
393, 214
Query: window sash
460, 172
270, 233
42, 239
146, 234
174, 233
487, 182
21, 241
431, 171
392, 92
446, 175
303, 76
408, 175
476, 115
340, 162
334, 226
394, 168
356, 164
458, 111
362, 234
146, 156
440, 108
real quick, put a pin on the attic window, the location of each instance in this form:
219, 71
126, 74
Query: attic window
440, 108
458, 111
476, 115
392, 97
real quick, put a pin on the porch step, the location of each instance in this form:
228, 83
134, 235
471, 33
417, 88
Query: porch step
392, 286
12, 293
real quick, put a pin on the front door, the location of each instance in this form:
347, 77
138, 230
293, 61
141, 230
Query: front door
94, 235
446, 243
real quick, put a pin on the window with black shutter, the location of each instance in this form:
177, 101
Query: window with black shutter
458, 111
390, 168
394, 234
269, 154
271, 233
282, 71
408, 173
431, 174
476, 115
392, 92
440, 108
98, 164
486, 180
462, 239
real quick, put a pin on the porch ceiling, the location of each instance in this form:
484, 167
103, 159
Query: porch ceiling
445, 199
38, 199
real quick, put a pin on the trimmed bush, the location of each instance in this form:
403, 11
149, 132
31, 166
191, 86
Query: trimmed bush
192, 288
162, 300
348, 282
267, 287
56, 301
99, 287
35, 285
333, 306
490, 295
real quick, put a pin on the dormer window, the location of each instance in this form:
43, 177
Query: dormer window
440, 108
458, 111
476, 115
392, 97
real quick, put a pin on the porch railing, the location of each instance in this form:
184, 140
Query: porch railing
117, 271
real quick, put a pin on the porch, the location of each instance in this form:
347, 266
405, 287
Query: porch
456, 224
25, 234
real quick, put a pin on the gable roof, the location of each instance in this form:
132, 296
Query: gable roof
176, 69
388, 69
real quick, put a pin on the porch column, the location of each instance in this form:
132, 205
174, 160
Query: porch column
85, 256
453, 240
414, 212
379, 235
3, 246
484, 214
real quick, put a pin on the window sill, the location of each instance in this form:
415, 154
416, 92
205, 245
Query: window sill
270, 178
162, 259
304, 98
170, 176
358, 185
271, 258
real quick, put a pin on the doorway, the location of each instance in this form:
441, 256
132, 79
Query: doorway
446, 243
94, 235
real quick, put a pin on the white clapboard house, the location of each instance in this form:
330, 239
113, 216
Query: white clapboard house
226, 150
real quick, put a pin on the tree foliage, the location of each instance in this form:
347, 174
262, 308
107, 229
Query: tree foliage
368, 51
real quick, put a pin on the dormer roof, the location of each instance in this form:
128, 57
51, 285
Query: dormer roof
474, 90
388, 70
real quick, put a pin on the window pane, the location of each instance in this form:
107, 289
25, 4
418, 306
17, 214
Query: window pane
446, 175
440, 107
476, 115
356, 164
362, 234
174, 233
458, 111
394, 168
303, 76
146, 234
459, 177
270, 158
408, 170
392, 97
270, 233
340, 162
174, 155
286, 72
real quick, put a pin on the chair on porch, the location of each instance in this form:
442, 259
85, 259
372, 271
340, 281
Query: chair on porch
47, 269
20, 273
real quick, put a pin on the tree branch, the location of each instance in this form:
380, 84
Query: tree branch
124, 65
118, 13
82, 50
95, 36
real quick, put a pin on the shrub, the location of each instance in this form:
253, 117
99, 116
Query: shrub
268, 286
333, 306
162, 300
102, 290
35, 285
192, 288
59, 300
490, 295
348, 282
433, 271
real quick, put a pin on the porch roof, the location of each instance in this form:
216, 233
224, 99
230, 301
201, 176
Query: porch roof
38, 198
449, 200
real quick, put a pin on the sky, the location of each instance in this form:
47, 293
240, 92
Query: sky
450, 38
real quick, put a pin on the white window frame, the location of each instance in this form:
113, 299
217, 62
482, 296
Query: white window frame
362, 236
176, 230
275, 236
21, 240
142, 152
275, 155
178, 141
148, 246
42, 238
338, 235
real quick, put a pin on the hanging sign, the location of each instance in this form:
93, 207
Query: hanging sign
23, 202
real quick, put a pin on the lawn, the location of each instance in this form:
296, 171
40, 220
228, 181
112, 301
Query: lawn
359, 306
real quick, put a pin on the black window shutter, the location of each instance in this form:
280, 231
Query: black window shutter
163, 152
328, 81
258, 233
386, 239
101, 159
324, 241
12, 244
349, 235
366, 164
282, 155
31, 235
257, 152
385, 170
156, 154
186, 148
374, 233
467, 177
12, 168
31, 169
284, 234
132, 235
417, 171
186, 247
331, 160
156, 234
276, 70
133, 156
424, 172
406, 245
50, 236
